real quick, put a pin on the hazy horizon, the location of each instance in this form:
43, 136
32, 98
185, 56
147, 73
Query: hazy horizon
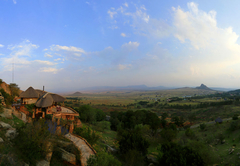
71, 45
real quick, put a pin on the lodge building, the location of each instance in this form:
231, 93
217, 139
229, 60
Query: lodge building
46, 104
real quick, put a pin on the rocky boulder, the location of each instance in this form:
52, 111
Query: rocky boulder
11, 133
69, 157
5, 125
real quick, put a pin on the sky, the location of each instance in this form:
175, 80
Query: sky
67, 45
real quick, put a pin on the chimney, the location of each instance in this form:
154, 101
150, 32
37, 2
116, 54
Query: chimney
43, 88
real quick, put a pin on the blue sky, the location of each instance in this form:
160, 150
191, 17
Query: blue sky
67, 45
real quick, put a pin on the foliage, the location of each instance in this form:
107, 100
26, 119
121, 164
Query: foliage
133, 158
203, 126
86, 132
168, 135
234, 125
133, 140
178, 121
235, 117
103, 125
90, 115
30, 107
189, 133
207, 154
8, 98
14, 89
31, 141
130, 119
100, 115
174, 154
1, 81
49, 116
103, 159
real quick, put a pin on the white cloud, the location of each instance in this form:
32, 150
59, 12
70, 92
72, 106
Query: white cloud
45, 49
50, 70
87, 2
66, 48
1, 45
14, 1
130, 45
142, 23
124, 66
111, 13
125, 4
44, 62
48, 55
123, 35
58, 59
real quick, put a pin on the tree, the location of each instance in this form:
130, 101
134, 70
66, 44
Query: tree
14, 89
100, 115
103, 159
133, 140
31, 141
172, 154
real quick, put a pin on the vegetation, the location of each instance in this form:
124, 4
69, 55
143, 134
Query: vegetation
103, 159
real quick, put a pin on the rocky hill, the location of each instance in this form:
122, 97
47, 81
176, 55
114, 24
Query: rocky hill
76, 94
203, 87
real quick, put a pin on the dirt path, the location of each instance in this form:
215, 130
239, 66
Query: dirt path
82, 145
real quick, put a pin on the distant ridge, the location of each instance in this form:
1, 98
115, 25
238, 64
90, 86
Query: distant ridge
76, 94
203, 87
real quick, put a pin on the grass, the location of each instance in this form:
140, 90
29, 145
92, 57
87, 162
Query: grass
14, 122
232, 139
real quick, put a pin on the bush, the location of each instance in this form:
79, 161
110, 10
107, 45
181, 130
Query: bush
133, 158
207, 154
87, 133
189, 133
103, 159
133, 140
31, 141
168, 135
234, 125
100, 115
203, 126
174, 154
235, 117
103, 125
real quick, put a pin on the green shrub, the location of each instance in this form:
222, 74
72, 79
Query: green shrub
133, 140
168, 135
189, 133
103, 159
31, 142
234, 125
90, 135
49, 116
235, 117
133, 158
1, 81
103, 125
203, 126
174, 154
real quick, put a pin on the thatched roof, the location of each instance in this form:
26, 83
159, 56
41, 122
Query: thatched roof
57, 98
47, 100
29, 93
40, 92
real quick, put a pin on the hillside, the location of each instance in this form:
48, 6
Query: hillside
203, 87
76, 94
5, 87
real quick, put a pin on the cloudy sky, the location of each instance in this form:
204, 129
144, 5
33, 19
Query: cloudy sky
67, 45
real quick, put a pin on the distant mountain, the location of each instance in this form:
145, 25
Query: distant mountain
234, 91
203, 87
76, 94
222, 89
120, 88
